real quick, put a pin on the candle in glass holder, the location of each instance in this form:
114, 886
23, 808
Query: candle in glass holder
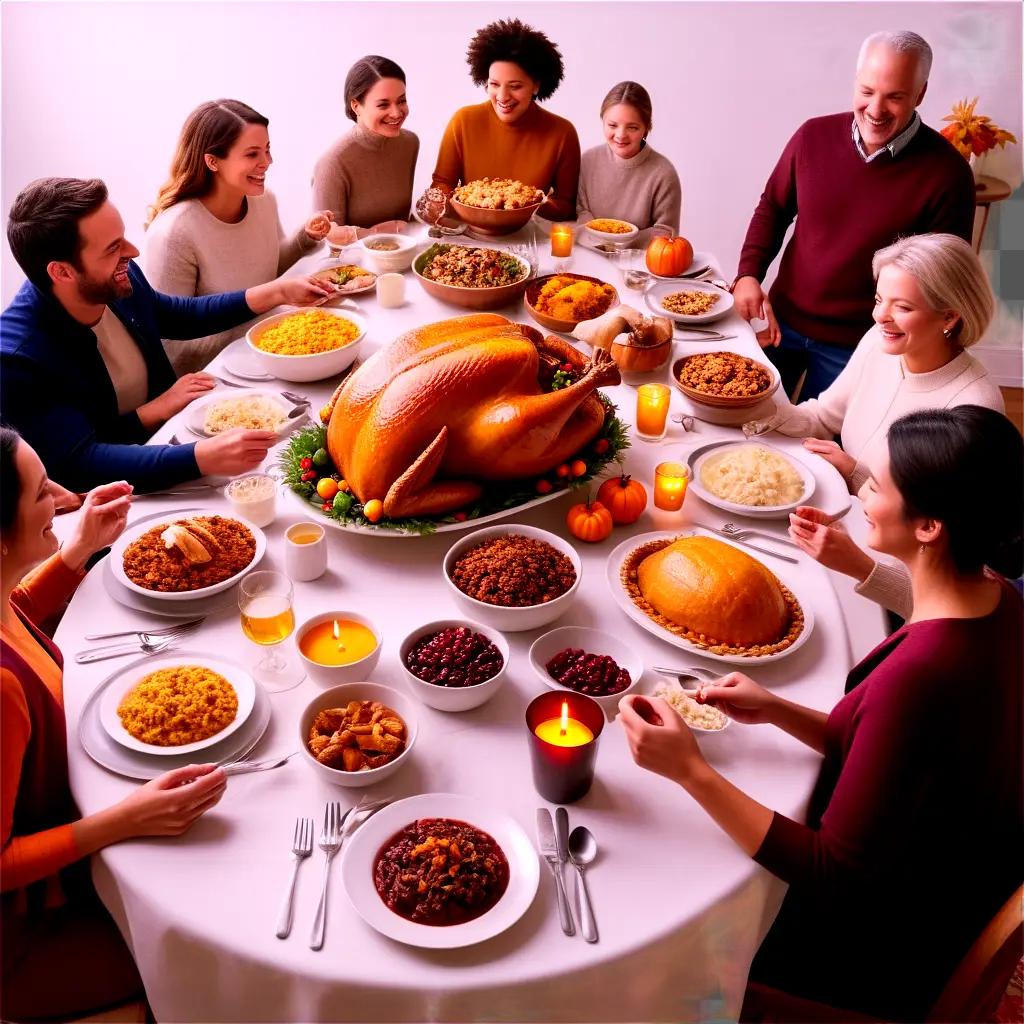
652, 402
561, 241
563, 733
670, 479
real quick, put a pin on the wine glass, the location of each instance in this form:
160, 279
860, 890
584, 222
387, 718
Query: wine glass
633, 267
265, 603
338, 239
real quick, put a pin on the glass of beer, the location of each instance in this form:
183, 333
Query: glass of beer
265, 601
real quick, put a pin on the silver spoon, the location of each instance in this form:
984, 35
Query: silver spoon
582, 850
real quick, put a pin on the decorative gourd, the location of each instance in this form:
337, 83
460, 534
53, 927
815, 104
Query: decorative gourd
669, 257
590, 522
624, 498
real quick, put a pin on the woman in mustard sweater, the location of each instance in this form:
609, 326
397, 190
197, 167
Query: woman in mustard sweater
510, 136
62, 953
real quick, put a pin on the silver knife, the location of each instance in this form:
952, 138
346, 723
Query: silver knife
747, 544
549, 851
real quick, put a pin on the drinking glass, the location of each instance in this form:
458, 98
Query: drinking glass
265, 603
632, 264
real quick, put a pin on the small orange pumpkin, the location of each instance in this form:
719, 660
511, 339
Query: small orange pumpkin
624, 498
669, 257
591, 521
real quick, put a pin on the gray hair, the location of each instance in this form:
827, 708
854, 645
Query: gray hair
901, 41
950, 277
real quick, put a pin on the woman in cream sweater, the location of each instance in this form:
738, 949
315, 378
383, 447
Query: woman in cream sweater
214, 226
626, 179
933, 302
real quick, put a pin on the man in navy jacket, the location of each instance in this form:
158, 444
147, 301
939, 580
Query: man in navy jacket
84, 330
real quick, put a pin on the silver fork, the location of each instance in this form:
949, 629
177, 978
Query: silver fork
739, 532
191, 624
296, 398
746, 543
147, 645
302, 847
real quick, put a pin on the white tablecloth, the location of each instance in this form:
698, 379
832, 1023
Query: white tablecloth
680, 908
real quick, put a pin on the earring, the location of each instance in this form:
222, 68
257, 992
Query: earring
946, 332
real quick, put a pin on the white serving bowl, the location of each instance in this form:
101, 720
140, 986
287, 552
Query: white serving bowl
332, 675
593, 641
610, 236
454, 698
317, 365
392, 261
511, 620
338, 697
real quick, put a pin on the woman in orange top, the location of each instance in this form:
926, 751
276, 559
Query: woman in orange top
62, 954
510, 136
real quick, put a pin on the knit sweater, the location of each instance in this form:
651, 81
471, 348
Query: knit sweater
540, 149
873, 390
643, 190
188, 251
366, 178
914, 834
36, 809
845, 210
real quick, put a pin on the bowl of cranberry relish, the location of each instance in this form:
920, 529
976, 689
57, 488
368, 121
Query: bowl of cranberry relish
454, 664
587, 661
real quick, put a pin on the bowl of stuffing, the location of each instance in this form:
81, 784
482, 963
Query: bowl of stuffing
496, 206
307, 344
472, 276
610, 231
724, 380
560, 302
357, 734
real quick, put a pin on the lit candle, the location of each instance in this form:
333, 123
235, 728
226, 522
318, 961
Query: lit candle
563, 735
340, 642
564, 731
561, 241
652, 402
670, 479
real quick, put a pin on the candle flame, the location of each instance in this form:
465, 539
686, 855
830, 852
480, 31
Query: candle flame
337, 636
565, 718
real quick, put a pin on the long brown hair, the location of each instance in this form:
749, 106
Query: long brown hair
211, 128
364, 75
633, 94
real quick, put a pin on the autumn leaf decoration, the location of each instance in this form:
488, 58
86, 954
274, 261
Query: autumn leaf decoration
973, 133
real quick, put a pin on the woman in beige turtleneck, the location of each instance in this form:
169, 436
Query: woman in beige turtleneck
366, 177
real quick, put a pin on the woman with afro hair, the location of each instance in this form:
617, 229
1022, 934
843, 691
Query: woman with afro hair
510, 136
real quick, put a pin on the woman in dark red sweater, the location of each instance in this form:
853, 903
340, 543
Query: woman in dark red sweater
914, 831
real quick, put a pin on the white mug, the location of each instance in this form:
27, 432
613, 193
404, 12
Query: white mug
305, 551
390, 290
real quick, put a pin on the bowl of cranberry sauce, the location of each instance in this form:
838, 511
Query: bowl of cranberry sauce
587, 661
454, 664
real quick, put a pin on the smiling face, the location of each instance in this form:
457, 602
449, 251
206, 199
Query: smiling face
243, 171
908, 326
384, 108
624, 130
885, 93
890, 530
31, 539
101, 274
510, 90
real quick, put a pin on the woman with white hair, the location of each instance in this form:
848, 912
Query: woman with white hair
933, 301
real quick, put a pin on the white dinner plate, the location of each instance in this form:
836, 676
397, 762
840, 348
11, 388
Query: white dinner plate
135, 531
240, 362
701, 261
700, 455
195, 413
625, 602
360, 854
130, 675
658, 291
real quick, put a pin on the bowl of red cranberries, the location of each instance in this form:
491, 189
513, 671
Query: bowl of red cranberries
587, 661
454, 664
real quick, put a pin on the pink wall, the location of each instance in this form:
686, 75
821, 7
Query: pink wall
102, 88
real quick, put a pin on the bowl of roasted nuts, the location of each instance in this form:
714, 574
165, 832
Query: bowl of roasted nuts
513, 577
589, 661
454, 664
358, 733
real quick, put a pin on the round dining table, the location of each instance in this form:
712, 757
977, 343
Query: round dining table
680, 909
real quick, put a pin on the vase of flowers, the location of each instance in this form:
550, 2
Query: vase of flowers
972, 134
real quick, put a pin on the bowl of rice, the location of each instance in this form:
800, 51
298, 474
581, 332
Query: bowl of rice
610, 230
307, 344
252, 410
751, 479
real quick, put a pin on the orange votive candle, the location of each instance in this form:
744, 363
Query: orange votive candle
670, 479
652, 409
561, 241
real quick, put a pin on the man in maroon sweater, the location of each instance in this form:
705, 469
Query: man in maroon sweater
854, 184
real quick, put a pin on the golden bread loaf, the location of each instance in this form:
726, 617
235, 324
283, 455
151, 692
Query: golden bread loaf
713, 589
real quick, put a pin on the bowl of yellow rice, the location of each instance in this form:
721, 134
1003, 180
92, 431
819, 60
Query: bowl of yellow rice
307, 344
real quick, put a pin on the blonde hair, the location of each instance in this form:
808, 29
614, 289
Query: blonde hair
950, 276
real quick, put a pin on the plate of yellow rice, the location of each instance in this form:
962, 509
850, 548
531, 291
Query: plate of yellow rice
176, 703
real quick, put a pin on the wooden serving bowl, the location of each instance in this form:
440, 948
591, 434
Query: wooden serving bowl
553, 323
641, 358
494, 223
719, 401
471, 298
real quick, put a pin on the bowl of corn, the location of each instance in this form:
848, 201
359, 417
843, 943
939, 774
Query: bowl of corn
307, 344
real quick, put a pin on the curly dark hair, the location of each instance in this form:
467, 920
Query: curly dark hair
514, 41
